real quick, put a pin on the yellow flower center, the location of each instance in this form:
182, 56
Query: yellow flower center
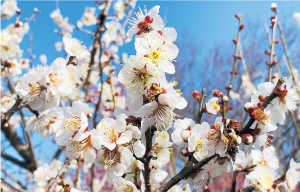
72, 124
111, 134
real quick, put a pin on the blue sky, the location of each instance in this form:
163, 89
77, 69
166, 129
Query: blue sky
202, 21
206, 22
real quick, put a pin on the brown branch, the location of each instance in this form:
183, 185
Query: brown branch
147, 158
8, 130
97, 41
185, 172
15, 161
264, 105
17, 106
13, 178
20, 146
235, 173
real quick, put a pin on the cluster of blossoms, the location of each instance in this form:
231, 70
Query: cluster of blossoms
263, 167
137, 131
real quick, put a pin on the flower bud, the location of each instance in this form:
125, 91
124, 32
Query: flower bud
18, 24
89, 115
274, 62
269, 141
225, 98
236, 139
18, 12
216, 93
239, 57
234, 40
274, 7
276, 41
196, 95
105, 52
267, 63
236, 72
271, 136
280, 90
242, 26
111, 109
249, 107
237, 16
117, 94
247, 139
234, 56
230, 107
228, 87
267, 52
185, 134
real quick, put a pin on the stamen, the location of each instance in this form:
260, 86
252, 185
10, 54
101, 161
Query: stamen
261, 116
164, 117
35, 89
72, 124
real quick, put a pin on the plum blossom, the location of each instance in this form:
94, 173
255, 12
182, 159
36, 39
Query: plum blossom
160, 52
145, 22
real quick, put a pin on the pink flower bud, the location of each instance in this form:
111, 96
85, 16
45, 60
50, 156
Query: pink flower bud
247, 139
242, 26
281, 90
234, 40
267, 52
216, 93
196, 95
228, 87
237, 16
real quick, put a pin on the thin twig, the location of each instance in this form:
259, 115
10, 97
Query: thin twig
200, 110
185, 172
225, 107
272, 48
61, 171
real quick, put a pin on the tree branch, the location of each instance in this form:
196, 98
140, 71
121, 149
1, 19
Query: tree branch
186, 171
264, 105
